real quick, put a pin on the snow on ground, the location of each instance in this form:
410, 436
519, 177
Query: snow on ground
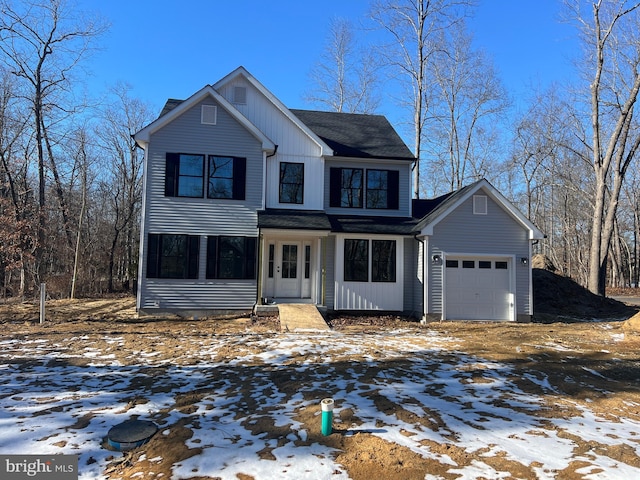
63, 398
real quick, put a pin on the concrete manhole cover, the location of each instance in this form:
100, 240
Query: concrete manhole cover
131, 434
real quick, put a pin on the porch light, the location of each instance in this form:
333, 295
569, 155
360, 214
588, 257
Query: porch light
436, 259
524, 260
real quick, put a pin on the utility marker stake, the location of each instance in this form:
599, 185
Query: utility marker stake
43, 296
327, 416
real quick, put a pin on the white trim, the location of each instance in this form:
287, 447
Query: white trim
480, 205
534, 233
143, 137
325, 150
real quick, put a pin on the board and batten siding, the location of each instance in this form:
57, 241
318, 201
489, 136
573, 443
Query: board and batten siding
496, 233
404, 188
200, 216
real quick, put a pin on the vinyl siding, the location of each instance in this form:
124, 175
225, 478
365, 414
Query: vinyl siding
496, 233
200, 216
330, 277
404, 204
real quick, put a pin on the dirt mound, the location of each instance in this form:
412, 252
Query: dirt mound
558, 296
632, 325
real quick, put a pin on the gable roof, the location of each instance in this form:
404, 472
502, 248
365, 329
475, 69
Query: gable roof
175, 108
356, 135
444, 205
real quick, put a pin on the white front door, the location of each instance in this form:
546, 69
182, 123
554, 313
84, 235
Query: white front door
288, 270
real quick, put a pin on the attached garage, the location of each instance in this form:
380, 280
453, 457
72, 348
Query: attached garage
478, 288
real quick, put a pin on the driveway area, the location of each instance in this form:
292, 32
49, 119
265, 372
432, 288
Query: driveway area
235, 399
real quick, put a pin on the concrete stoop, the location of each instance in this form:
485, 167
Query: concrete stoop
301, 317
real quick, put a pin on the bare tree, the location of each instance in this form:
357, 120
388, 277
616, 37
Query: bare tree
123, 176
345, 78
468, 101
42, 42
416, 29
613, 67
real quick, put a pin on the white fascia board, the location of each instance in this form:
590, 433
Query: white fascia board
496, 196
143, 136
325, 150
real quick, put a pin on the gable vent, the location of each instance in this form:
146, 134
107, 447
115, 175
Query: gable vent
209, 115
479, 204
240, 95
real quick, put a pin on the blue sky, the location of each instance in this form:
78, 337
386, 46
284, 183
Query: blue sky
170, 49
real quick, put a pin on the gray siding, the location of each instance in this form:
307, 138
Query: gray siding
495, 233
404, 205
412, 272
200, 216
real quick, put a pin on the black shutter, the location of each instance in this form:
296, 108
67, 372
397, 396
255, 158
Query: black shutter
171, 175
152, 255
250, 244
335, 185
393, 189
193, 248
212, 256
239, 178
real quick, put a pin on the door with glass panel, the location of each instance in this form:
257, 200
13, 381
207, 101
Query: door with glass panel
288, 270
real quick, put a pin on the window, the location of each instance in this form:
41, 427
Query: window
184, 175
350, 187
291, 182
307, 261
377, 186
383, 260
501, 265
356, 260
272, 255
484, 264
231, 257
227, 177
468, 264
452, 263
173, 256
289, 261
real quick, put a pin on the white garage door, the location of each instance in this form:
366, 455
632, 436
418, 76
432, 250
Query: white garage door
478, 289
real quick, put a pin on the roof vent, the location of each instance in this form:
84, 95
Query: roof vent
240, 95
479, 204
209, 115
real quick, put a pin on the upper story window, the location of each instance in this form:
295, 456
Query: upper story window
351, 187
184, 175
291, 182
479, 204
227, 177
173, 256
348, 188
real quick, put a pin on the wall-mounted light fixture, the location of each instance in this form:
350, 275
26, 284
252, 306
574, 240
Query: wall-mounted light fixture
524, 260
436, 259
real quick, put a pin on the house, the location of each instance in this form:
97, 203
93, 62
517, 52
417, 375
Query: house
249, 202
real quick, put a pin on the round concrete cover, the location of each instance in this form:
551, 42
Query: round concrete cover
131, 434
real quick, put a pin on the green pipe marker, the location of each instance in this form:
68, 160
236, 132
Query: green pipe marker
327, 416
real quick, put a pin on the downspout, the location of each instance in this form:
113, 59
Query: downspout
424, 278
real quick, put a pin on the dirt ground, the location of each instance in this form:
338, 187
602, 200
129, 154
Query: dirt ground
566, 318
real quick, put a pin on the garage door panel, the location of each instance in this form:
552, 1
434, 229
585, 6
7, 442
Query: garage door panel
478, 293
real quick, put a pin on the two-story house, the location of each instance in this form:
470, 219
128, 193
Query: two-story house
248, 202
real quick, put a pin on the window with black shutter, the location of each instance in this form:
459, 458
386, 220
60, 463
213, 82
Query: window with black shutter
173, 256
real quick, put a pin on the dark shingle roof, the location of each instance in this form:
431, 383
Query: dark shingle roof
371, 224
293, 219
441, 204
356, 135
169, 105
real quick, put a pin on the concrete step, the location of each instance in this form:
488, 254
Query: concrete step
301, 317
